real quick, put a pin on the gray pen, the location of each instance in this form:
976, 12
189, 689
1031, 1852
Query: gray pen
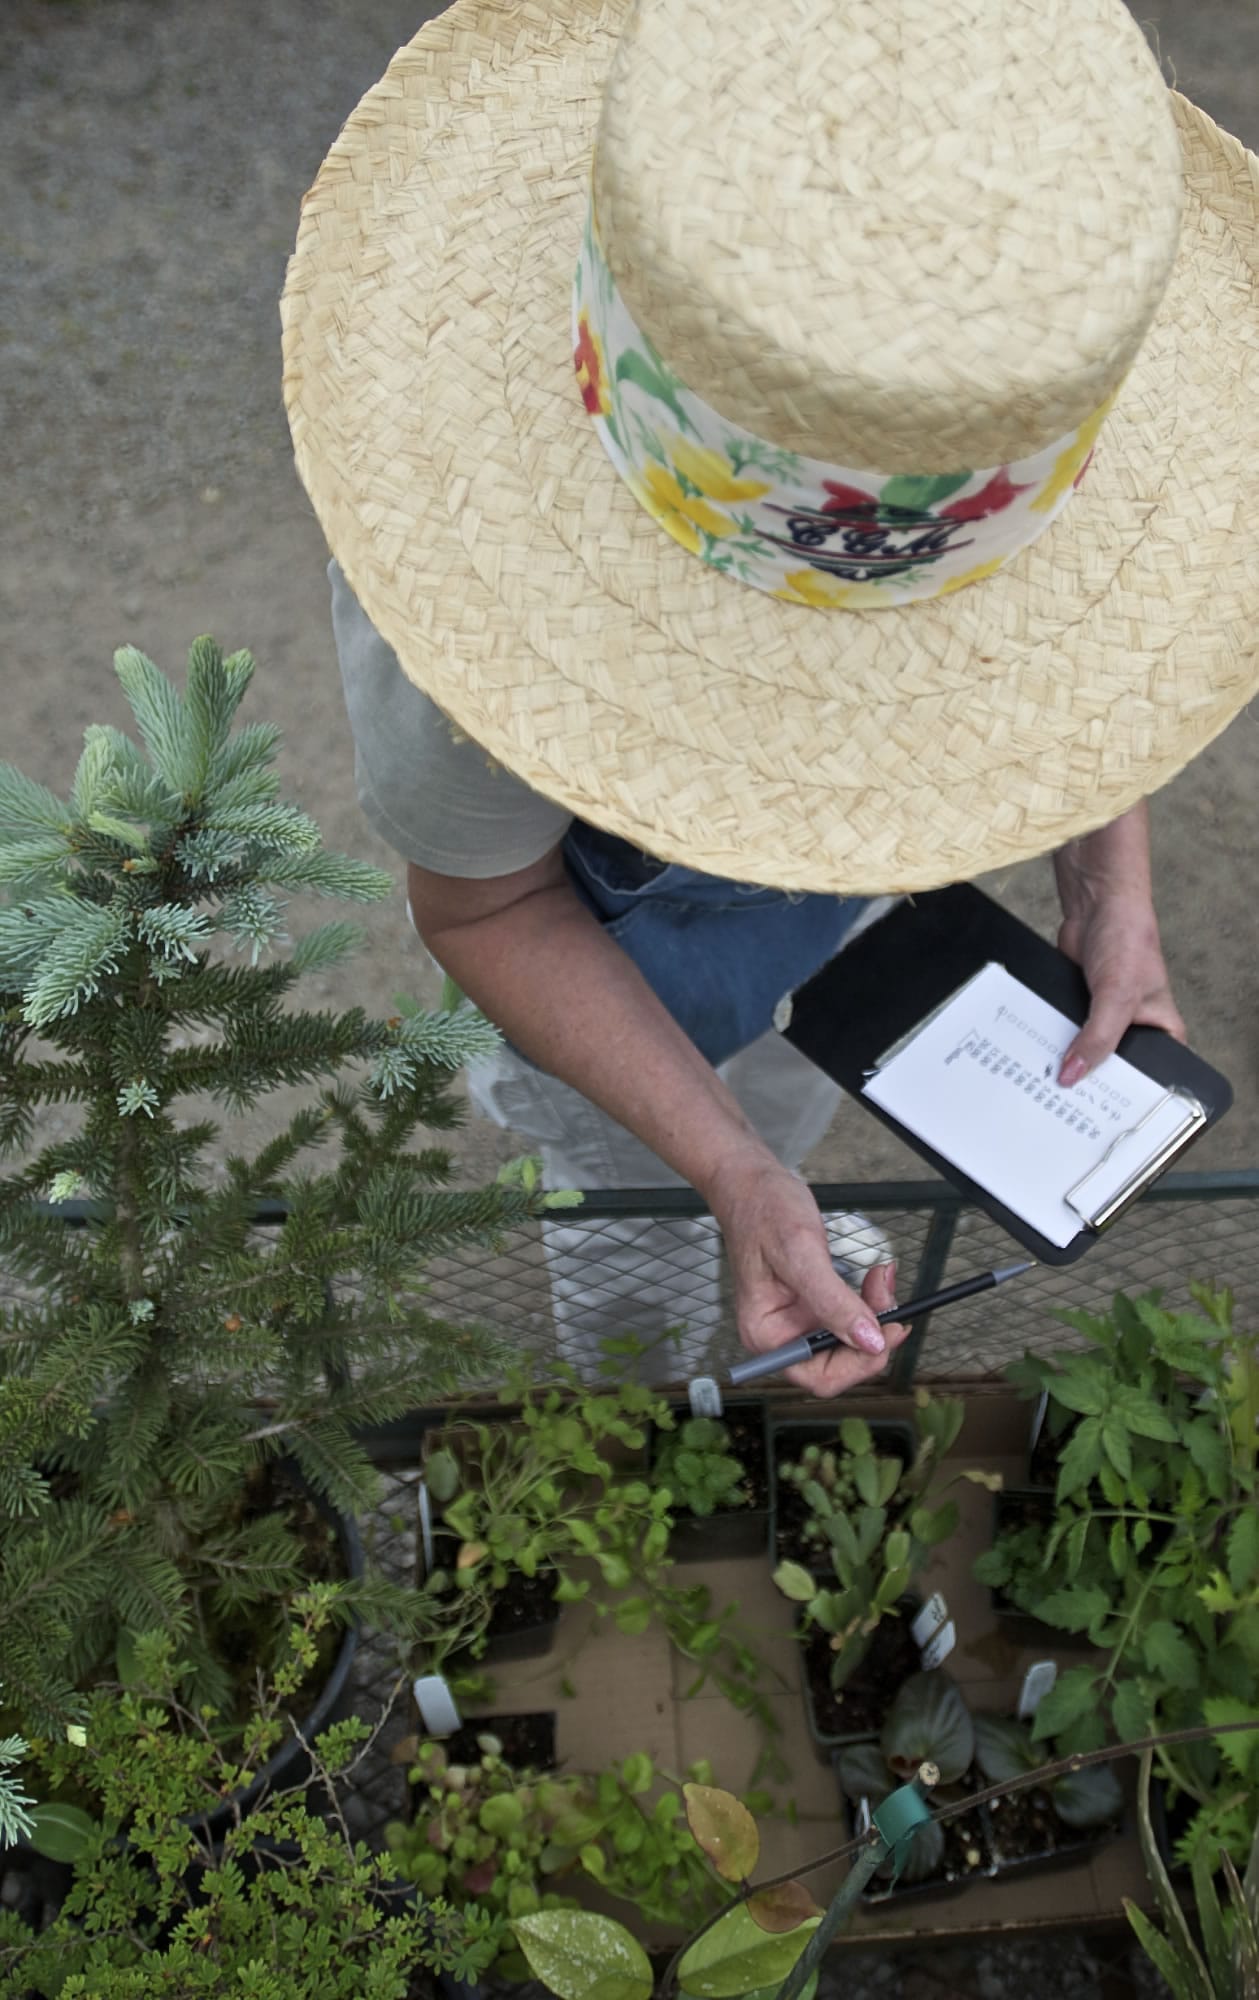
821, 1342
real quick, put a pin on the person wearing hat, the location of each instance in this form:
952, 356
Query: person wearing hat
893, 529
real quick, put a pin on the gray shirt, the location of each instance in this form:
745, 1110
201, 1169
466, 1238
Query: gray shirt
428, 790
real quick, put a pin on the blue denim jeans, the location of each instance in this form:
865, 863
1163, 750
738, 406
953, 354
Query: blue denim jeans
721, 955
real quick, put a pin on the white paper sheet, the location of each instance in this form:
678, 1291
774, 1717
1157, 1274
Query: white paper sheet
977, 1085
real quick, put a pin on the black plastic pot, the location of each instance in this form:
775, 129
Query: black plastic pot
506, 1639
731, 1532
1075, 1844
884, 1891
875, 1675
787, 1439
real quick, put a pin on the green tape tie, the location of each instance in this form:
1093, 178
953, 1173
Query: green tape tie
898, 1819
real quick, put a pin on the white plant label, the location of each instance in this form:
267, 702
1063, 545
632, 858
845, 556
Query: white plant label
928, 1621
1037, 1682
438, 1710
704, 1397
941, 1646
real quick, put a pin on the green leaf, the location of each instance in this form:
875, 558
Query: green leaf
61, 1832
1241, 1747
441, 1472
783, 1908
1186, 1981
855, 1435
502, 1814
866, 1474
1243, 1550
736, 1955
795, 1582
1003, 1748
637, 1772
1118, 1445
580, 1956
1075, 1609
1131, 1712
1169, 1654
1081, 1458
929, 1722
1091, 1797
922, 492
863, 1773
1073, 1695
1209, 1453
1081, 1387
1144, 1416
724, 1828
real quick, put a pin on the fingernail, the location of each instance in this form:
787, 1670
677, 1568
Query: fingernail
869, 1336
1072, 1070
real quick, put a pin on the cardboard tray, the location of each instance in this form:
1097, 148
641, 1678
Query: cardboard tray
628, 1696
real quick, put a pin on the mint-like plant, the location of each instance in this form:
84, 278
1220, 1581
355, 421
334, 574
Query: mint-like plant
1153, 1551
878, 1520
517, 1842
157, 1361
550, 1488
698, 1464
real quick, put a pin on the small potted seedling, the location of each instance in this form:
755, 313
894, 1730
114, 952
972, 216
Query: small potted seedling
927, 1723
878, 1519
716, 1473
1039, 1826
814, 1477
534, 1512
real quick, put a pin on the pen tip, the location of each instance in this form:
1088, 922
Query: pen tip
1013, 1270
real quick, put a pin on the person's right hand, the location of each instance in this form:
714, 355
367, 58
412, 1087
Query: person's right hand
786, 1284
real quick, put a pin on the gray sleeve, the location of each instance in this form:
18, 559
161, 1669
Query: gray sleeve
427, 789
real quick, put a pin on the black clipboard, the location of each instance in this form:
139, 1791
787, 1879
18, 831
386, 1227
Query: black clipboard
898, 973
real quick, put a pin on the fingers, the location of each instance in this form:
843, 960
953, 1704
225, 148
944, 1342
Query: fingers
1110, 1016
846, 1367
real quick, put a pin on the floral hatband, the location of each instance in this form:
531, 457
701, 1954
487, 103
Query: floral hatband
812, 533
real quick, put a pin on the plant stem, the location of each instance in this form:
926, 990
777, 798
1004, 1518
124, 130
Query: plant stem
842, 1904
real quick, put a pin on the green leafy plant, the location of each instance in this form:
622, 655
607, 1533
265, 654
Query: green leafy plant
549, 1491
697, 1464
285, 1907
519, 1842
579, 1955
158, 1360
1222, 1962
878, 1520
1004, 1748
927, 1723
1153, 1550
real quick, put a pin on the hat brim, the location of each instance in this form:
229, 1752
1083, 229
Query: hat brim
440, 434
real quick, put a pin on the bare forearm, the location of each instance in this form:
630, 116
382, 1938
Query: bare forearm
1114, 861
567, 996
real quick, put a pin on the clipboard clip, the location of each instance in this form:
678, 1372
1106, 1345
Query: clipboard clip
1111, 1206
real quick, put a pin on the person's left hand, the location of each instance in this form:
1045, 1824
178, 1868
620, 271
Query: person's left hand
1114, 940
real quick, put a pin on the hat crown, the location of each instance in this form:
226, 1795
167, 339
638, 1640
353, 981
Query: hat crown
912, 237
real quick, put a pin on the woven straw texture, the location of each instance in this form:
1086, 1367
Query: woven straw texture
439, 432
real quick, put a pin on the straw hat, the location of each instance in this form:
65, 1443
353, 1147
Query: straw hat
759, 544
